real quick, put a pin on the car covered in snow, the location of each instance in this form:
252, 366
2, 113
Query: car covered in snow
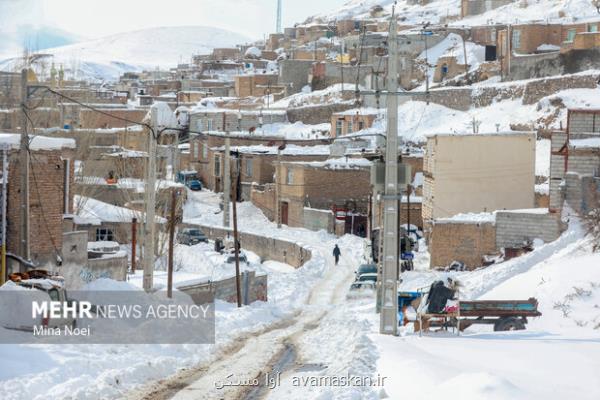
191, 236
365, 281
40, 290
366, 269
231, 257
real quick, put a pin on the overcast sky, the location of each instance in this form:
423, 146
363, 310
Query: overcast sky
96, 18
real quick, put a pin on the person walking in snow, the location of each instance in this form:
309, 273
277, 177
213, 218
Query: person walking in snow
336, 253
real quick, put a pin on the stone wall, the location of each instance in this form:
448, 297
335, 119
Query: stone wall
549, 64
317, 114
316, 220
461, 241
253, 288
267, 248
582, 192
463, 98
294, 74
517, 228
537, 89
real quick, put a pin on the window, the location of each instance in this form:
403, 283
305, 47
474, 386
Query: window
593, 28
350, 127
249, 170
199, 125
104, 235
209, 124
516, 39
361, 125
217, 171
290, 176
493, 36
571, 35
338, 127
196, 146
204, 152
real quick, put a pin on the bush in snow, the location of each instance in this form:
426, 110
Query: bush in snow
593, 224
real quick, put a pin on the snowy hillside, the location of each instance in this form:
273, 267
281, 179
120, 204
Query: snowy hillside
525, 10
108, 57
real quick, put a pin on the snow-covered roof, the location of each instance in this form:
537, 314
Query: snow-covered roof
341, 163
13, 140
95, 212
210, 110
469, 218
360, 111
290, 150
589, 143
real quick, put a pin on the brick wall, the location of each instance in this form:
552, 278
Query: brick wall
46, 200
465, 242
514, 229
263, 197
92, 120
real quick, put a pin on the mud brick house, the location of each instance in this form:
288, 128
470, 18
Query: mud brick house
310, 191
346, 122
465, 238
206, 154
105, 222
575, 161
90, 119
256, 85
257, 164
477, 7
224, 120
51, 173
477, 173
226, 53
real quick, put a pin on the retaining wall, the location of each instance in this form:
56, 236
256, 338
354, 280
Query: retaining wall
516, 228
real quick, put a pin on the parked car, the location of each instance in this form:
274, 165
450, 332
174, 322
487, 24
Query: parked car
194, 185
231, 258
42, 290
191, 236
365, 281
366, 269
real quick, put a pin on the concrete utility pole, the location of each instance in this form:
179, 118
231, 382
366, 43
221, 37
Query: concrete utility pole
172, 224
277, 189
5, 152
389, 235
24, 172
149, 235
227, 181
236, 237
133, 243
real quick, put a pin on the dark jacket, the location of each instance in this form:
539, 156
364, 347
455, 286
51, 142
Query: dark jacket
336, 251
439, 294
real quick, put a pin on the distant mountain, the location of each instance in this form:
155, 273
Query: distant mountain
108, 57
44, 37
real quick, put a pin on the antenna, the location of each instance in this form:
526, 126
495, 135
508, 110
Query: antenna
279, 28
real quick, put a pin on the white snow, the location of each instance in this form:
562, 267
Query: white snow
95, 212
109, 57
37, 142
469, 218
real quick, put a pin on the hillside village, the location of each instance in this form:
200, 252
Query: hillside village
236, 173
